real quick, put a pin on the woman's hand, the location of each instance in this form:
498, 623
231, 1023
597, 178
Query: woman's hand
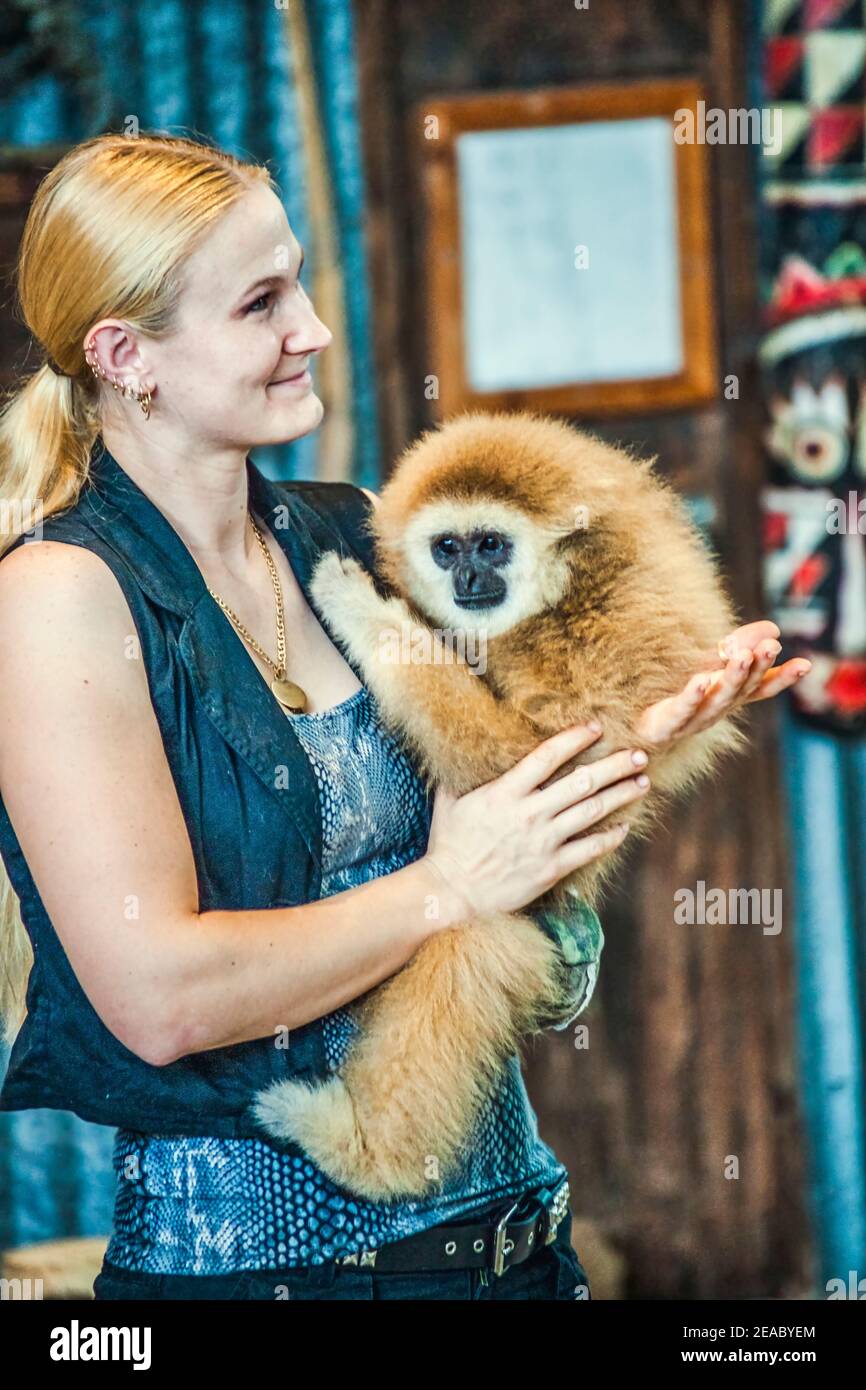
504, 844
747, 675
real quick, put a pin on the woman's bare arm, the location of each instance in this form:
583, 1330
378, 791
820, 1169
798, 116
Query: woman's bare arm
88, 789
90, 794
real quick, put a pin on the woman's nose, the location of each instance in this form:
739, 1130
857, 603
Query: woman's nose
307, 332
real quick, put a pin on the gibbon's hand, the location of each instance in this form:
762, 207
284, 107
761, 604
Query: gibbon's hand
747, 675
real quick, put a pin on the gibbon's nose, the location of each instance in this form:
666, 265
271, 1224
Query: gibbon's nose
467, 579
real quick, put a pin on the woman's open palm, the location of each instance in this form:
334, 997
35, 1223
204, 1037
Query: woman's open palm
746, 674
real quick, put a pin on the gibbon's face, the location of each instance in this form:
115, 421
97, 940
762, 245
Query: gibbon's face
481, 565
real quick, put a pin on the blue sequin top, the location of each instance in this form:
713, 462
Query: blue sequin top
208, 1205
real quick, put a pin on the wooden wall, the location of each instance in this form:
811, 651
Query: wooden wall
691, 1055
19, 179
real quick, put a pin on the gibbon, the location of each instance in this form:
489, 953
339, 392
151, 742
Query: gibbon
587, 590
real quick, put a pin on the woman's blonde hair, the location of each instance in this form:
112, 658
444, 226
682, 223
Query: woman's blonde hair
107, 235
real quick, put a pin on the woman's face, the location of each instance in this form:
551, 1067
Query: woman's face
245, 325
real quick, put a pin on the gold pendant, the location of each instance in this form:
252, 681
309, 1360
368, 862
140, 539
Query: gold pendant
290, 696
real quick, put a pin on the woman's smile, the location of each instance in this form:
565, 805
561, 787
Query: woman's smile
300, 382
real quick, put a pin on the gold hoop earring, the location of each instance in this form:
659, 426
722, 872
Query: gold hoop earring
144, 398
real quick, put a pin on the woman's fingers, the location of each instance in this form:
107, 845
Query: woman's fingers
585, 781
780, 678
763, 656
574, 854
749, 635
575, 819
536, 767
763, 680
718, 691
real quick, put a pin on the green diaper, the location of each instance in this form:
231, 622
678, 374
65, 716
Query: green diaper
577, 933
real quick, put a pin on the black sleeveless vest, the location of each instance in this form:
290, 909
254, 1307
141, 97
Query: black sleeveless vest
246, 788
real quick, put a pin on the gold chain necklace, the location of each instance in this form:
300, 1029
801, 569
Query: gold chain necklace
290, 695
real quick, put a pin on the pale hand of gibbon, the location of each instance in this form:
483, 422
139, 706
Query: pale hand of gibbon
747, 675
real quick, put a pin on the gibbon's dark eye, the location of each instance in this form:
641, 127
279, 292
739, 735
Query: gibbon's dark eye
445, 545
491, 542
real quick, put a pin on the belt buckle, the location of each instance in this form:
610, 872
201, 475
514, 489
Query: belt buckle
499, 1241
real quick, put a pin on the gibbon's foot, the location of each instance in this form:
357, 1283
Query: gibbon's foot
323, 1121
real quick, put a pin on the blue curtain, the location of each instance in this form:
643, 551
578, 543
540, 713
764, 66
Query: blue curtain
222, 68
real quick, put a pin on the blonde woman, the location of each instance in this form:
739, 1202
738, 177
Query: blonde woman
211, 842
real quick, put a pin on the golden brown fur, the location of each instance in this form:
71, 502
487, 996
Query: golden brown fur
616, 603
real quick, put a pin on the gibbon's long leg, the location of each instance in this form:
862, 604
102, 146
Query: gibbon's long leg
424, 697
433, 1040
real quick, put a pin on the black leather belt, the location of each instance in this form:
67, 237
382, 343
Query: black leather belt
489, 1243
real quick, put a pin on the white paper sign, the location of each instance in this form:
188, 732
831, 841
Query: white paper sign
538, 309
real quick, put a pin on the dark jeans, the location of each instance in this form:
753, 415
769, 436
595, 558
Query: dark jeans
552, 1272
